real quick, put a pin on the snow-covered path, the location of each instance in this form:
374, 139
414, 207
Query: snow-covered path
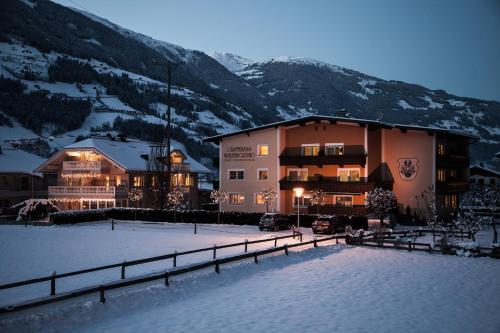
344, 289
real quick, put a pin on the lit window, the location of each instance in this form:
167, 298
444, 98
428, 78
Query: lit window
236, 198
262, 174
118, 180
450, 201
262, 150
259, 199
343, 200
310, 149
297, 174
188, 181
154, 181
441, 149
441, 175
138, 181
349, 175
334, 149
236, 174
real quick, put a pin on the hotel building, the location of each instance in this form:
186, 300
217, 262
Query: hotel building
99, 172
344, 157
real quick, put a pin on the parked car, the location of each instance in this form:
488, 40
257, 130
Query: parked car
274, 221
329, 224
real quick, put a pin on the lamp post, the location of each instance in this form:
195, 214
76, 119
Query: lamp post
298, 193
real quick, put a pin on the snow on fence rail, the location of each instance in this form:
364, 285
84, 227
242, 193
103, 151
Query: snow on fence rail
52, 278
216, 263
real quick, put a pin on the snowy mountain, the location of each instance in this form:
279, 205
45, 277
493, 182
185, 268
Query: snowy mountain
232, 62
66, 59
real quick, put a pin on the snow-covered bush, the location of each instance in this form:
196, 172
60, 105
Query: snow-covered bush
33, 209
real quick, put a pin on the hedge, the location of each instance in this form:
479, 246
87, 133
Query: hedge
188, 216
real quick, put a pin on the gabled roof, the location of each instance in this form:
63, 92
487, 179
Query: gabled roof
362, 122
14, 160
479, 169
129, 154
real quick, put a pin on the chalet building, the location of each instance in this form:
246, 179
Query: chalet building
99, 172
344, 157
481, 175
18, 182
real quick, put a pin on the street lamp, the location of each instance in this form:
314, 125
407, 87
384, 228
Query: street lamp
298, 193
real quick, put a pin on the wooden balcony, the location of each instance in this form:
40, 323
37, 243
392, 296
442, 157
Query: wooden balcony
449, 160
82, 166
452, 187
99, 192
333, 184
354, 154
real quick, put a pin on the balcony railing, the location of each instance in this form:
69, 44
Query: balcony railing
452, 187
179, 167
333, 184
82, 165
354, 154
82, 191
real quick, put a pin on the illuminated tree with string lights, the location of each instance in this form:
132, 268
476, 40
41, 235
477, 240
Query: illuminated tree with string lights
269, 195
318, 198
175, 199
135, 195
218, 196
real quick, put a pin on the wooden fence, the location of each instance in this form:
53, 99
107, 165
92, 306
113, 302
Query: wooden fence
175, 271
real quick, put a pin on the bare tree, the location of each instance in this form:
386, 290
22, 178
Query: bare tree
269, 195
426, 202
218, 197
135, 195
157, 168
381, 202
318, 198
175, 199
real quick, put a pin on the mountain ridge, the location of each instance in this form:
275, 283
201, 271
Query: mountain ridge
209, 97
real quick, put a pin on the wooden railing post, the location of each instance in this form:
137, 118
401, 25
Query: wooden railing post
315, 242
217, 268
276, 241
286, 249
246, 245
215, 251
409, 246
167, 275
300, 237
255, 258
112, 224
336, 240
195, 229
101, 295
123, 270
175, 258
53, 283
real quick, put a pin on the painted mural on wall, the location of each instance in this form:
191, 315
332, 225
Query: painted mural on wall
408, 168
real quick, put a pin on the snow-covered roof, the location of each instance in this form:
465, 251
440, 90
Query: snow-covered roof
14, 160
474, 170
128, 154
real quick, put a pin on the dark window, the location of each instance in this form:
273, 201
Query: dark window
480, 181
25, 183
493, 181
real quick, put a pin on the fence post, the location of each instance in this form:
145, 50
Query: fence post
315, 242
336, 240
101, 295
409, 246
246, 245
112, 224
255, 258
301, 237
195, 229
347, 239
217, 268
276, 241
53, 283
175, 258
123, 269
215, 251
286, 249
167, 283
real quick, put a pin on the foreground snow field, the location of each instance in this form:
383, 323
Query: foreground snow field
331, 288
32, 252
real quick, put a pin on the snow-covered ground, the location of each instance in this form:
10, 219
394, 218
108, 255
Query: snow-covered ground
37, 251
330, 288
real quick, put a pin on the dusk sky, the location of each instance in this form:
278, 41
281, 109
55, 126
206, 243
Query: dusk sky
449, 44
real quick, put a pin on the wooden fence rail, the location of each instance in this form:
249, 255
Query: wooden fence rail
216, 263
